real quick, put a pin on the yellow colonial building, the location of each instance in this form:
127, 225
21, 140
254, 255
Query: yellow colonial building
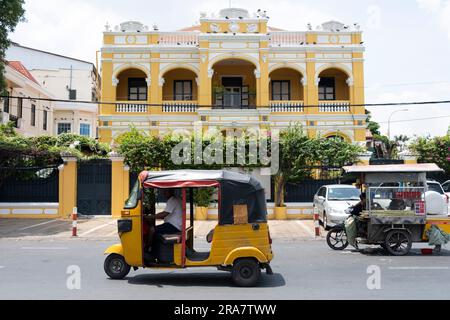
233, 71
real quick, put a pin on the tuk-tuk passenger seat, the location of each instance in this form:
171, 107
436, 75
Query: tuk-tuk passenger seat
170, 238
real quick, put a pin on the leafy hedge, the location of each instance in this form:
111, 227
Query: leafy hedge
20, 151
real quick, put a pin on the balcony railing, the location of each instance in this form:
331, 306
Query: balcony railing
127, 107
334, 106
234, 101
178, 39
179, 106
285, 38
286, 106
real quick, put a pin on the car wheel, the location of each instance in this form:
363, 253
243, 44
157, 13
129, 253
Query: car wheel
116, 267
246, 272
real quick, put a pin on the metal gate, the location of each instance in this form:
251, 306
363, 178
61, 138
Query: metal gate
29, 184
94, 187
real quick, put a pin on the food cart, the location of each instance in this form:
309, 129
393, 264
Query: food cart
394, 213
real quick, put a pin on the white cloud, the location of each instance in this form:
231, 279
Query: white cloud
72, 28
432, 92
430, 5
439, 8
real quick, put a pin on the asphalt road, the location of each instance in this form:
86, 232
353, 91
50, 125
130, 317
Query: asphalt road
303, 270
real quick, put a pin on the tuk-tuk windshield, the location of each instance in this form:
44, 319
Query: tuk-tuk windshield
133, 199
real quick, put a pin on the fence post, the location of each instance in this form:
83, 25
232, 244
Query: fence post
120, 180
67, 185
316, 222
74, 221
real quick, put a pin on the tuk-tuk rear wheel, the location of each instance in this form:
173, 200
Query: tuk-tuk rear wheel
246, 272
116, 267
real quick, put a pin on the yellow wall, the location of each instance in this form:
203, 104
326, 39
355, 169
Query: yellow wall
178, 74
122, 87
342, 89
295, 82
246, 71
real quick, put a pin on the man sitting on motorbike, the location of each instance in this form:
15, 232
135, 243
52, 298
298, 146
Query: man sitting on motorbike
356, 211
360, 206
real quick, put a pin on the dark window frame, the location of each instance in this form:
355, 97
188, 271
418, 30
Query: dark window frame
45, 120
20, 107
281, 94
33, 115
65, 131
143, 84
7, 103
327, 83
183, 94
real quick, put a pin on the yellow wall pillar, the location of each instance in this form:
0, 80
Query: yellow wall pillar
155, 87
262, 79
205, 77
120, 182
311, 91
67, 186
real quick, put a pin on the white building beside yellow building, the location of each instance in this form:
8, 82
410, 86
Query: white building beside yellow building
233, 71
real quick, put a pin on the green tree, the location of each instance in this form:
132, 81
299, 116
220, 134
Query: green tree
12, 12
301, 156
373, 126
433, 150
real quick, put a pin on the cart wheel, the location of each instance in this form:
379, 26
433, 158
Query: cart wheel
246, 272
398, 242
116, 267
337, 239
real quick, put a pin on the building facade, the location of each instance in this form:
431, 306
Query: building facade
233, 71
66, 79
31, 117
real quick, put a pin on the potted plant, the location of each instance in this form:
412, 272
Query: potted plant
202, 199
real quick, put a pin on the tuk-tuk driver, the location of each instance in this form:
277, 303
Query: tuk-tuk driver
172, 215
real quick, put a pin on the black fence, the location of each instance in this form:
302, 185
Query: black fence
36, 184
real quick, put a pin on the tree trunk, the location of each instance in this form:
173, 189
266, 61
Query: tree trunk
279, 190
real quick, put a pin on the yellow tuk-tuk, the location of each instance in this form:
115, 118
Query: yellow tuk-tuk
240, 243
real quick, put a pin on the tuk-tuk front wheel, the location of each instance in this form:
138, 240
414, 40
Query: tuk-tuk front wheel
398, 242
246, 272
116, 267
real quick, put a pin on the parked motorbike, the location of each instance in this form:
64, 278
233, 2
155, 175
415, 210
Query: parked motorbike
337, 236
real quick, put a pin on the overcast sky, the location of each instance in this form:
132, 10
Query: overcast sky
407, 42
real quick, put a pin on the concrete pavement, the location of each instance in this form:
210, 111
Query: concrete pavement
309, 270
105, 228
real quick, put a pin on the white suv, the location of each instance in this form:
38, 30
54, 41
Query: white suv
436, 199
331, 202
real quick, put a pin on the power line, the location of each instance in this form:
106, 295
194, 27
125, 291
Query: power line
406, 84
386, 104
416, 119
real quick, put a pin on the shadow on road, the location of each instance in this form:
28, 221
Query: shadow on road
201, 280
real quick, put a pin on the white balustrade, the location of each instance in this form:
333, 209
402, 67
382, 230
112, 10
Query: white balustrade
178, 39
334, 106
179, 106
131, 108
286, 106
282, 38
